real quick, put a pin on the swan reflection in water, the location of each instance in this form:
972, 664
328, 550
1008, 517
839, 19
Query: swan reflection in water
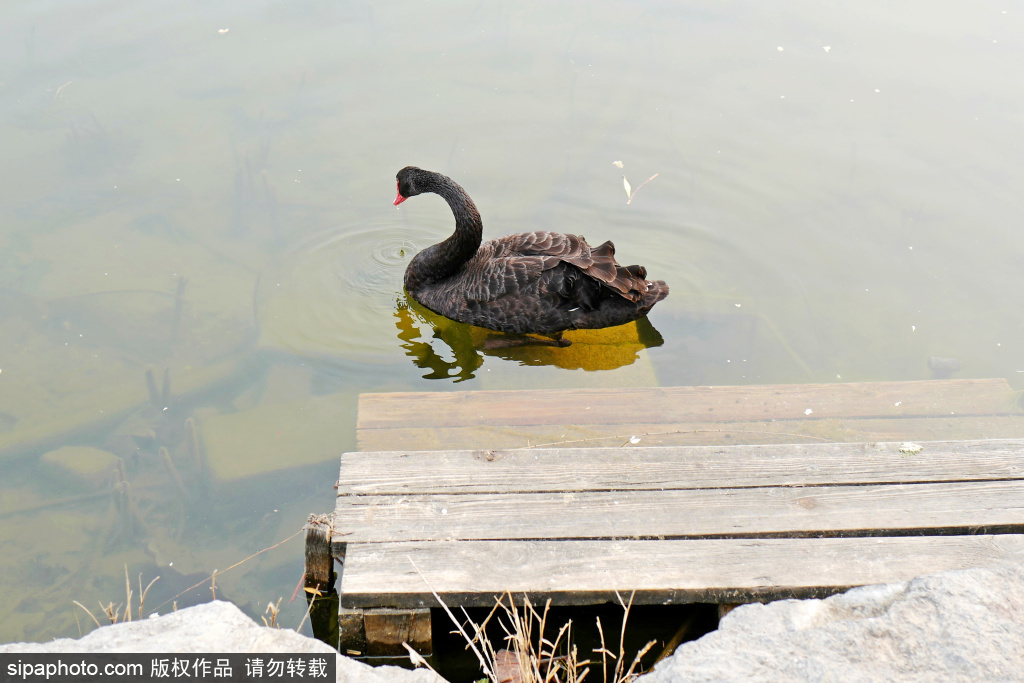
603, 349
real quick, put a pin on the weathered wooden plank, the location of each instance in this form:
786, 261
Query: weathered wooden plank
580, 572
680, 467
661, 405
382, 632
809, 511
386, 631
805, 429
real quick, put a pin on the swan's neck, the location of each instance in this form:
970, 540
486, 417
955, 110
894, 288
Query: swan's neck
445, 258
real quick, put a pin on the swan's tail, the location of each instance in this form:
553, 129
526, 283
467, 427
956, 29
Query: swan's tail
656, 291
629, 281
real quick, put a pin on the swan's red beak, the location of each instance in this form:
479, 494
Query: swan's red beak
399, 199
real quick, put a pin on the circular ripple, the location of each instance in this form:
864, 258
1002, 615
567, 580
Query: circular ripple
334, 295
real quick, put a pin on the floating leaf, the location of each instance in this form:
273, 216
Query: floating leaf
617, 163
629, 192
633, 193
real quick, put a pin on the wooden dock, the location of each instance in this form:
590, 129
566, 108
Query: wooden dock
686, 494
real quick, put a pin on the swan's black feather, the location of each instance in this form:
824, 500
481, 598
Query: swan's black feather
539, 282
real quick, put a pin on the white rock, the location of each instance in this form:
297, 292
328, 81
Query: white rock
217, 627
965, 625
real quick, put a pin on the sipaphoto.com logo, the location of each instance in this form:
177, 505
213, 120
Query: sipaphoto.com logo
123, 667
72, 669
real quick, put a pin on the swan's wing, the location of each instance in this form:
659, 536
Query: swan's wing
490, 276
597, 262
542, 244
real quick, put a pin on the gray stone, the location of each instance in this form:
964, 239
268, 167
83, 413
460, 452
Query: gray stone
965, 625
216, 627
78, 466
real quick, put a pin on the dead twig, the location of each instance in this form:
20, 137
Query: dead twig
236, 564
87, 611
57, 94
633, 193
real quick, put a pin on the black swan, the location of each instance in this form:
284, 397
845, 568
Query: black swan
535, 282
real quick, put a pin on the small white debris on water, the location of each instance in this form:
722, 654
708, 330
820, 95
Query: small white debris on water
739, 305
223, 30
779, 48
913, 328
897, 403
444, 511
634, 439
617, 163
910, 448
827, 48
808, 411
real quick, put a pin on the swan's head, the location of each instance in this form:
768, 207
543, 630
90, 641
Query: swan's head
410, 183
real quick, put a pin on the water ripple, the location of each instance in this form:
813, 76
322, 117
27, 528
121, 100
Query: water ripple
334, 295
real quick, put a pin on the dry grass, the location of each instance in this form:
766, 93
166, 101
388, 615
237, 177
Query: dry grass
273, 609
123, 611
528, 655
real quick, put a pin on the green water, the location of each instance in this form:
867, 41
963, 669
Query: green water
204, 190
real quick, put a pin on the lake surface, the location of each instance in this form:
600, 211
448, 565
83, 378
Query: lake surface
200, 263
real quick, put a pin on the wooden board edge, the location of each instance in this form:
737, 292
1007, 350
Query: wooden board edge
660, 572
